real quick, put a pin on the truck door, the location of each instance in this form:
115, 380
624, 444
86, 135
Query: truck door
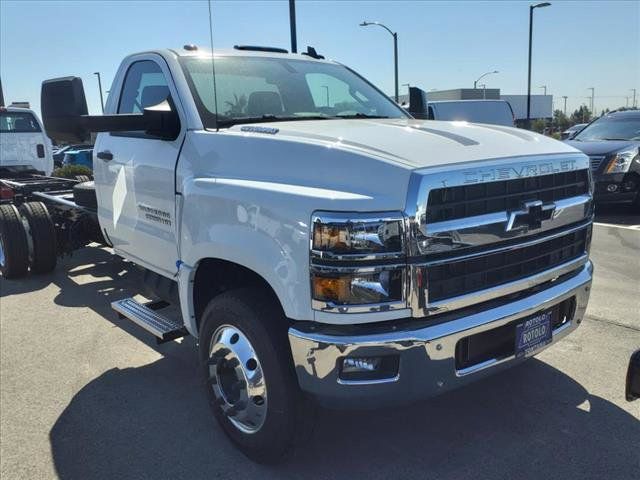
135, 172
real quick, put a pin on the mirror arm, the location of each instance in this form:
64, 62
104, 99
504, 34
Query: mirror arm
114, 123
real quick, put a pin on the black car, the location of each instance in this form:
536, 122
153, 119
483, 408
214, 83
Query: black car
612, 142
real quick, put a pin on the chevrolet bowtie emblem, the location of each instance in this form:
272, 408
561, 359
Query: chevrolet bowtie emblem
532, 215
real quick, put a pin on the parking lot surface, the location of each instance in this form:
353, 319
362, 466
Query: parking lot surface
85, 395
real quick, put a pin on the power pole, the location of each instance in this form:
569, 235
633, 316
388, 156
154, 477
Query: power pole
565, 105
634, 97
593, 92
292, 25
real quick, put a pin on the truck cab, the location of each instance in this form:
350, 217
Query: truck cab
321, 244
24, 147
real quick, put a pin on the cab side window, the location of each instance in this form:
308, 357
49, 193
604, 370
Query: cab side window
144, 85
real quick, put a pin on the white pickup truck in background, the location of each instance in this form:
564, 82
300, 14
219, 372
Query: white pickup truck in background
24, 147
320, 243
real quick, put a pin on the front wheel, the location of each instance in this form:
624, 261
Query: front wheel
249, 375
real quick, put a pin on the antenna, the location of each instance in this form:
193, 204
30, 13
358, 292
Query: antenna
213, 66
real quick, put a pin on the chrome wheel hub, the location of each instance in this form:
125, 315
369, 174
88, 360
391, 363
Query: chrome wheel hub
237, 380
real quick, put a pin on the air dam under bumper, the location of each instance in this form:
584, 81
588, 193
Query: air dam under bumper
427, 355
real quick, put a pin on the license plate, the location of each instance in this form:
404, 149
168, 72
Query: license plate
533, 334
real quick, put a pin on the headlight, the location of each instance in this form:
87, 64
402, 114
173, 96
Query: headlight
621, 161
357, 236
357, 259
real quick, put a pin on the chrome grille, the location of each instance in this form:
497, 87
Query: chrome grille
467, 275
486, 230
595, 162
479, 199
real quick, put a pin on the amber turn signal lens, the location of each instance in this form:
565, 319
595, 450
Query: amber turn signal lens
331, 289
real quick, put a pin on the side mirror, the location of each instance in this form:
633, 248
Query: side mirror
64, 114
162, 120
633, 377
417, 102
63, 105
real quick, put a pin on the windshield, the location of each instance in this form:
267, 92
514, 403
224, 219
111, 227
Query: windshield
611, 128
18, 122
254, 89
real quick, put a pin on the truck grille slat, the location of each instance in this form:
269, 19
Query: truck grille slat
467, 276
462, 201
595, 162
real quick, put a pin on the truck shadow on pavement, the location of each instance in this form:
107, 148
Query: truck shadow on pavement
90, 278
533, 421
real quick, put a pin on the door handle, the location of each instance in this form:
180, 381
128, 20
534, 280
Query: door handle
105, 155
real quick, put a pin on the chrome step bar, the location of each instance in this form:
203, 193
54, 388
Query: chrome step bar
165, 328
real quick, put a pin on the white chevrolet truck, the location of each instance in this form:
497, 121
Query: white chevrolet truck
322, 245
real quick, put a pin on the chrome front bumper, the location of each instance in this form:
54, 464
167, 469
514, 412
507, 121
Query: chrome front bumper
427, 354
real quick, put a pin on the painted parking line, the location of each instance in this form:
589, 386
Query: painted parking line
613, 225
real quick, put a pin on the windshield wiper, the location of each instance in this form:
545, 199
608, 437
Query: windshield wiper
227, 122
360, 115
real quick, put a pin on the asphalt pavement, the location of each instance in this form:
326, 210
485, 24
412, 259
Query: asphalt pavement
85, 395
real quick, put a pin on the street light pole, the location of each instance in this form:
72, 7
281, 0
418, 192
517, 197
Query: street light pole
593, 91
484, 90
395, 52
475, 83
565, 105
531, 9
292, 26
100, 88
634, 97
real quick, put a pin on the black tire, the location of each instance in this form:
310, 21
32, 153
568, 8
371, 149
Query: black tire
43, 236
14, 250
84, 194
289, 415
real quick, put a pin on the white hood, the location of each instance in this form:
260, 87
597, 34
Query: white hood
419, 143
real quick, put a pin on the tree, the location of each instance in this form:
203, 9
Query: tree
538, 125
581, 115
560, 121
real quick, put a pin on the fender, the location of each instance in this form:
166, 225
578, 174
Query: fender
245, 231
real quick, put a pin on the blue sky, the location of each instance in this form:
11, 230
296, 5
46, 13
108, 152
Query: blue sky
577, 44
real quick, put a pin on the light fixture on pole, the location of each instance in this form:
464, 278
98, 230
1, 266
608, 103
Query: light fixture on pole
475, 83
100, 88
531, 9
395, 51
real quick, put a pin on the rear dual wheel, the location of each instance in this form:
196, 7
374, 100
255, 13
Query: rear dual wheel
27, 238
41, 230
14, 249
